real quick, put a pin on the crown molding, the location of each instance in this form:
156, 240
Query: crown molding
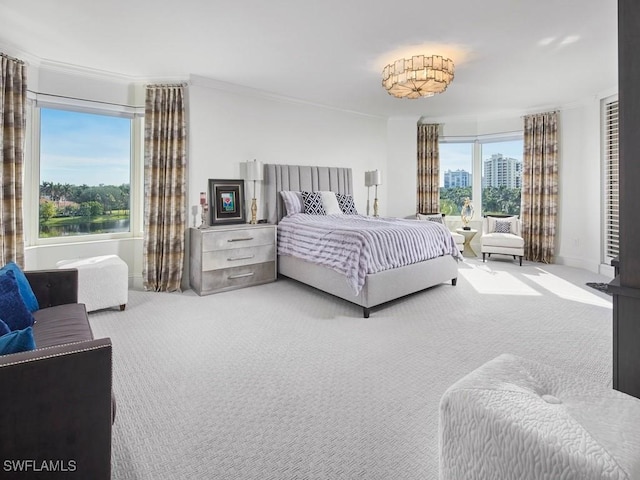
207, 82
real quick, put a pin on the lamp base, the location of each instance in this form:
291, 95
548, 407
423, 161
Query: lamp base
254, 211
375, 207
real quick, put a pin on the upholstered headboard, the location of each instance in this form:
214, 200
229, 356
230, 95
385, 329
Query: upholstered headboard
299, 178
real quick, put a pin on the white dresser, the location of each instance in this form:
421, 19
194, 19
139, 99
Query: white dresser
232, 256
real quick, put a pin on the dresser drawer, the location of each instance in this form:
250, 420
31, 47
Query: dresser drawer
237, 277
240, 238
238, 256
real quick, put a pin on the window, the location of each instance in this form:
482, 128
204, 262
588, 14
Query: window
488, 170
456, 179
611, 179
85, 173
501, 177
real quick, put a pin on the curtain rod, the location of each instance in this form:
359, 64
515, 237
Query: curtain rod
84, 99
11, 58
483, 134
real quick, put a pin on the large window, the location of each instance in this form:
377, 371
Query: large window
488, 171
85, 166
501, 177
456, 177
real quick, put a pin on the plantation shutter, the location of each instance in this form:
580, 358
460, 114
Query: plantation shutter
611, 179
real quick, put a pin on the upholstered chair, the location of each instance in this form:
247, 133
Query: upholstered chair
439, 217
501, 234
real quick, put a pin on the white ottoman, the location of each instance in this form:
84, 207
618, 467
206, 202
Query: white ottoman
517, 419
102, 281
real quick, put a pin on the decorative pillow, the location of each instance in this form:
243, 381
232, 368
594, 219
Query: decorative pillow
330, 203
13, 311
513, 220
24, 287
346, 203
17, 341
4, 328
313, 203
431, 217
292, 201
502, 227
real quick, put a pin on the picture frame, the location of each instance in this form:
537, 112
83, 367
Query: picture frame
226, 201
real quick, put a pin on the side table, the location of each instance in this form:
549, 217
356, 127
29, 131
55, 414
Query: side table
468, 235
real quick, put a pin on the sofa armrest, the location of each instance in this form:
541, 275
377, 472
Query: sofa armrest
54, 287
56, 407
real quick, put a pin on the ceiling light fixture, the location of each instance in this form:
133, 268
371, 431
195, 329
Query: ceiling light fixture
418, 76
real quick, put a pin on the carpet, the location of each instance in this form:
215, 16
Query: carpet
281, 381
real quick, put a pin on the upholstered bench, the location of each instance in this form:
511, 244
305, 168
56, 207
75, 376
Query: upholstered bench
103, 281
514, 418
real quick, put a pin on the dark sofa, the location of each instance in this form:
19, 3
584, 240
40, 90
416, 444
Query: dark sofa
56, 403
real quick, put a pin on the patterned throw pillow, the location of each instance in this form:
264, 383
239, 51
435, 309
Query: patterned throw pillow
292, 201
313, 203
503, 227
346, 204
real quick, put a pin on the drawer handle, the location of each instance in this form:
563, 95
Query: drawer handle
240, 239
241, 275
231, 259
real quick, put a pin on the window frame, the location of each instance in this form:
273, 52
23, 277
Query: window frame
476, 161
32, 171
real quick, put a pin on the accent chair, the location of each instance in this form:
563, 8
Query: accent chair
501, 234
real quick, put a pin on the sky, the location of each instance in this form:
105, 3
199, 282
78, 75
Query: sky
459, 156
84, 148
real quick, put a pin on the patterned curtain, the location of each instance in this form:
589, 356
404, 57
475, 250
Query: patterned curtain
428, 169
165, 170
13, 100
540, 186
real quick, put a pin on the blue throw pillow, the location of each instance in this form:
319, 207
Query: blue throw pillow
17, 341
13, 311
26, 292
4, 328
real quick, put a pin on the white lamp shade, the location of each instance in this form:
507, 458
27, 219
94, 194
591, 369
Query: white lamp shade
254, 170
373, 177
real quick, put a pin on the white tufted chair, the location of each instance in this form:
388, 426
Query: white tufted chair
515, 418
503, 243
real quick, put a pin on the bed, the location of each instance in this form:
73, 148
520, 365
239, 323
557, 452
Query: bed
377, 288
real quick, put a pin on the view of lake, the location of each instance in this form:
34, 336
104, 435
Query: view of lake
85, 228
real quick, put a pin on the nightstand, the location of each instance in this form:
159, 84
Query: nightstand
468, 235
231, 256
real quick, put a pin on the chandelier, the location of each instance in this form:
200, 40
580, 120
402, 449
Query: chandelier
418, 76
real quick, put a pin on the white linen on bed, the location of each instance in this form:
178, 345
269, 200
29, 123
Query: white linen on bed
356, 245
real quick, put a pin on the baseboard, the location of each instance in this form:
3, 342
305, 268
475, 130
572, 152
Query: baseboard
578, 263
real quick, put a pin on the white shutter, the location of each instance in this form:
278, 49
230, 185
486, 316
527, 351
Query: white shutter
611, 179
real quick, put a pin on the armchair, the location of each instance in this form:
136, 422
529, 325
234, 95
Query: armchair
501, 234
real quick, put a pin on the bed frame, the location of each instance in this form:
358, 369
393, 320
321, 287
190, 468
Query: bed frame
379, 287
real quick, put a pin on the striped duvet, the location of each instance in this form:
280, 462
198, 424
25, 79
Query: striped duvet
356, 245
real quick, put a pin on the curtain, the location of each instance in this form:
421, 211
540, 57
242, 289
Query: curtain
165, 144
13, 99
428, 169
540, 186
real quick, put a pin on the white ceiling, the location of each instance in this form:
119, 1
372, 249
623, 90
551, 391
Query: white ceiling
511, 56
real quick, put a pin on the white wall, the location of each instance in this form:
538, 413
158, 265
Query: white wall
229, 125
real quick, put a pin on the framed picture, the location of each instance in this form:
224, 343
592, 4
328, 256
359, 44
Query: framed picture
226, 201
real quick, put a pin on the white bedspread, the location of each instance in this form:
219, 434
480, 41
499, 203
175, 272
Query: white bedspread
356, 245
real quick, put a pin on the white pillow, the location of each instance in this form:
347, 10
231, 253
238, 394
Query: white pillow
512, 220
292, 201
330, 203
